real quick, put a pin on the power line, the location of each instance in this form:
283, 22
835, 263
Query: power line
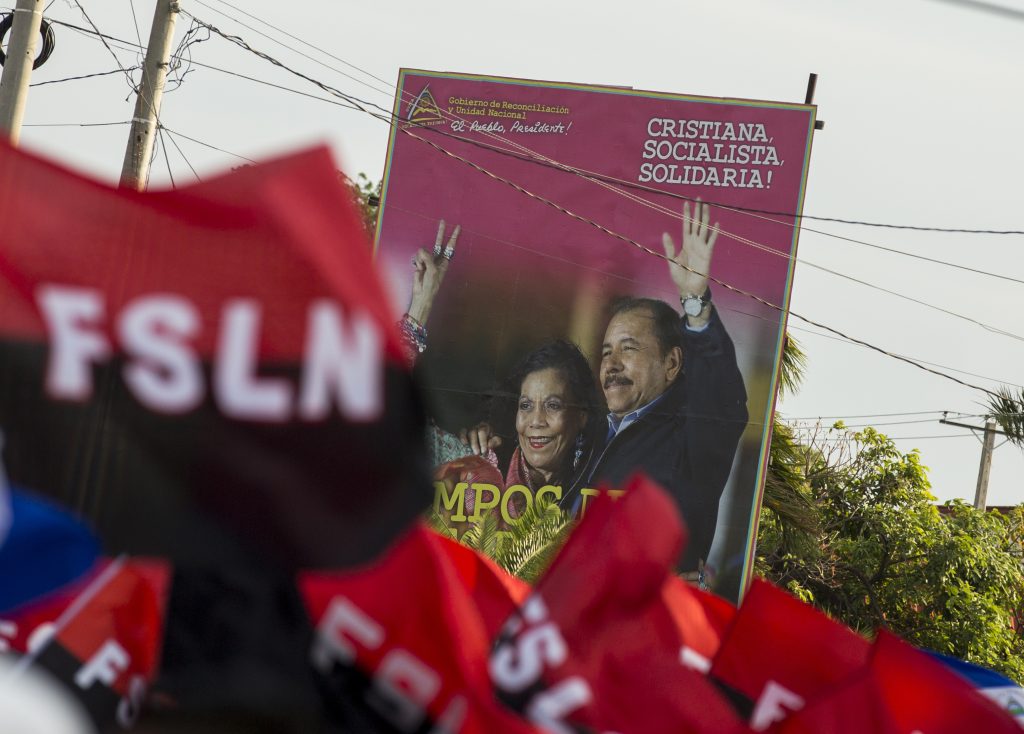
208, 145
290, 48
129, 45
845, 439
720, 282
180, 152
117, 60
916, 359
772, 251
356, 101
864, 425
932, 306
167, 160
75, 124
392, 88
915, 256
83, 76
873, 415
386, 83
135, 20
243, 44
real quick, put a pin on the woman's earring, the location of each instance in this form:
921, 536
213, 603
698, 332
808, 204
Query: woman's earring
579, 452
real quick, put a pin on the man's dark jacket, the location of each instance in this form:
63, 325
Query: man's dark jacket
687, 441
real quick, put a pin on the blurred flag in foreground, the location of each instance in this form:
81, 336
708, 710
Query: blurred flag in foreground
45, 548
214, 376
216, 362
1007, 694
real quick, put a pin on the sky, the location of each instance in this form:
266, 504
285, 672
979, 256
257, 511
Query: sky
921, 101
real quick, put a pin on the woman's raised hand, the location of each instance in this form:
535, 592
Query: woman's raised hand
430, 268
480, 438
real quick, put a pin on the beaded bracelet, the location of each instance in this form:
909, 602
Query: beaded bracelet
414, 334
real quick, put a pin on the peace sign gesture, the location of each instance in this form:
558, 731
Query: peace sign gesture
690, 266
429, 271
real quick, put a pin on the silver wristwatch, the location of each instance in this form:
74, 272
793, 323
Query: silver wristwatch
694, 305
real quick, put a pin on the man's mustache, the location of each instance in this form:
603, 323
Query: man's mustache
616, 380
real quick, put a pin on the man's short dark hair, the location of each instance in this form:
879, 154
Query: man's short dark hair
666, 320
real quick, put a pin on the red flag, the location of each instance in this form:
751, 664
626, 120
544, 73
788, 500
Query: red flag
405, 643
103, 639
216, 362
701, 619
779, 653
496, 593
901, 691
596, 646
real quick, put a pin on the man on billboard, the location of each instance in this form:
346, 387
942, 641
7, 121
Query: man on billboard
676, 400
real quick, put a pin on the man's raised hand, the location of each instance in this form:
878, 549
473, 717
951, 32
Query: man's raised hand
691, 265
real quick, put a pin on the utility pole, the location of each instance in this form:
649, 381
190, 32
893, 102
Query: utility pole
135, 170
21, 54
981, 491
987, 446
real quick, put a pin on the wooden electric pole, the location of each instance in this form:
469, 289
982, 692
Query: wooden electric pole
21, 54
981, 491
987, 446
135, 170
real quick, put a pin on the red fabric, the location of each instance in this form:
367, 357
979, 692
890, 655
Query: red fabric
234, 223
701, 619
128, 608
232, 347
414, 602
596, 645
496, 593
901, 691
779, 650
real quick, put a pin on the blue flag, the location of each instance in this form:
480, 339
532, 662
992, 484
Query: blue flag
1007, 694
44, 547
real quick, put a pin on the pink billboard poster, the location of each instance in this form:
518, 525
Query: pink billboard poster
595, 283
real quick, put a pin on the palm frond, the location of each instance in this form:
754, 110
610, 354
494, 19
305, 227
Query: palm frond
524, 548
437, 523
1008, 410
534, 540
794, 365
485, 536
786, 492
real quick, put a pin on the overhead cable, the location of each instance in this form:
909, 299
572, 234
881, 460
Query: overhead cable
180, 152
360, 104
720, 282
956, 230
117, 59
83, 76
357, 102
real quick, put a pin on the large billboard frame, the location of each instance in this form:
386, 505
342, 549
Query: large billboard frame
400, 124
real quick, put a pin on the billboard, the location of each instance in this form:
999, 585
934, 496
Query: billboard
545, 313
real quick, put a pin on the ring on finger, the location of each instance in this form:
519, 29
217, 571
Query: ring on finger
449, 252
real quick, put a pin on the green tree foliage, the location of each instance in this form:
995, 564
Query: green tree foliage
1008, 410
850, 525
366, 195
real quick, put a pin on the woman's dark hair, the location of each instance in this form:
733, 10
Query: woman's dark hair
567, 358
